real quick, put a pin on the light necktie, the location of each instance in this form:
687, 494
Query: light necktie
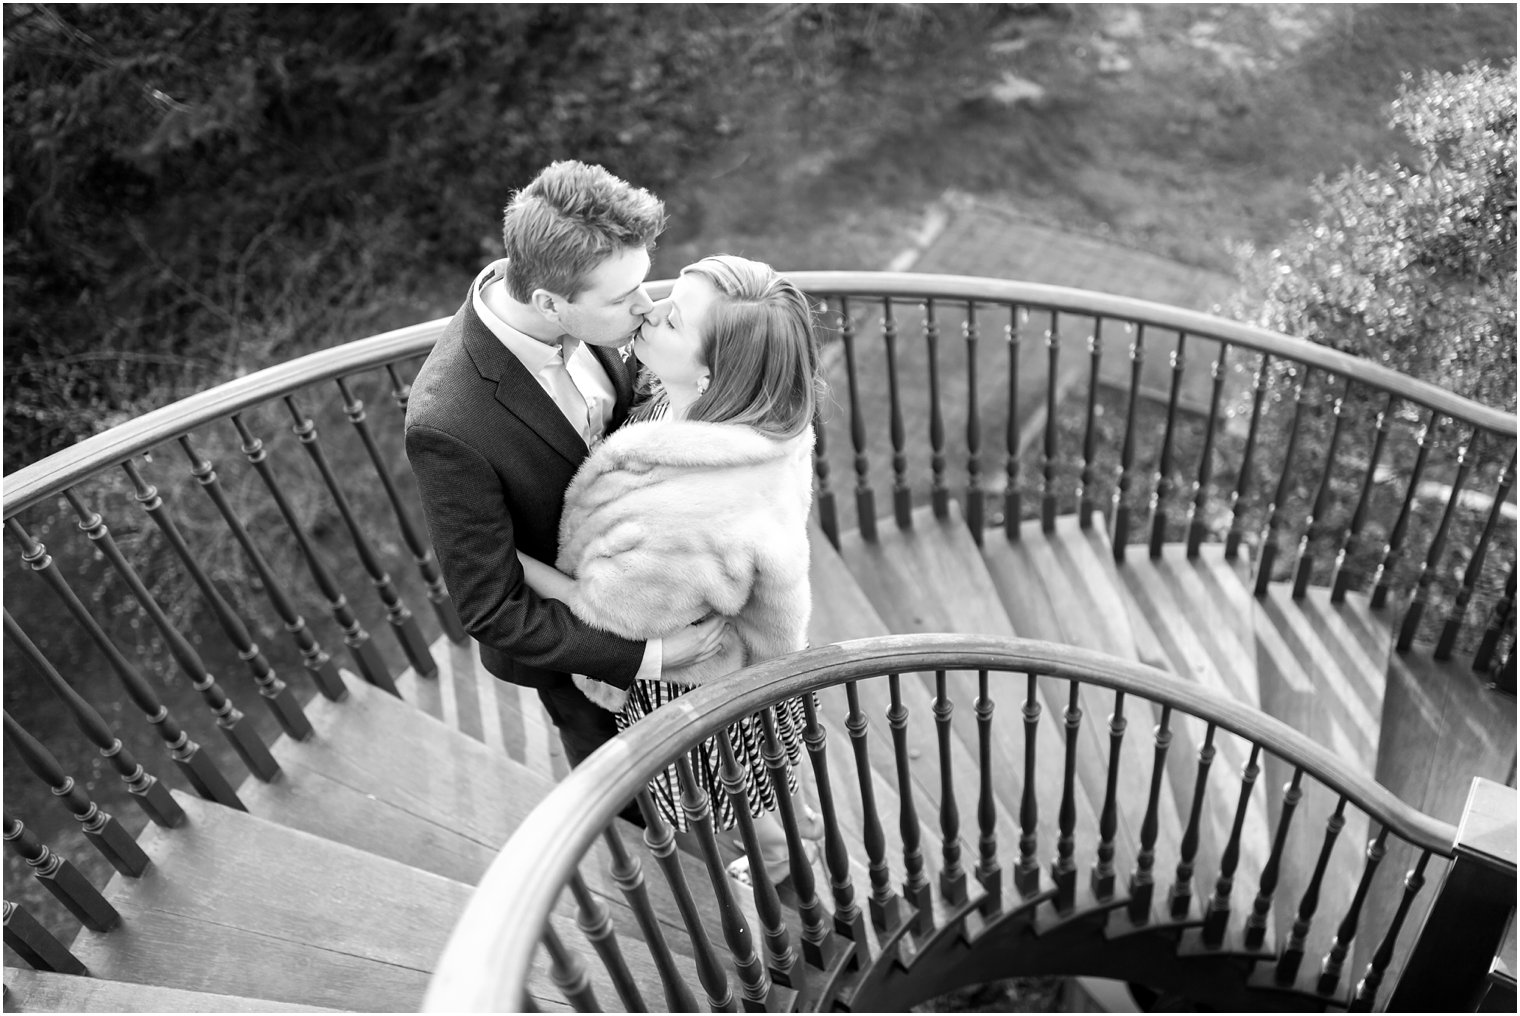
566, 394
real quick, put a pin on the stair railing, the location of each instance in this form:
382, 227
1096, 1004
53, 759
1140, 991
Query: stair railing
179, 510
1228, 931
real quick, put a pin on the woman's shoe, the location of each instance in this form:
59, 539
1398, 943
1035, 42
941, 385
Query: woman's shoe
777, 871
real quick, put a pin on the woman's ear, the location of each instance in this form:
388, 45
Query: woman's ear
702, 384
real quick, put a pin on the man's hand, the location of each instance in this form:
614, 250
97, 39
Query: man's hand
694, 643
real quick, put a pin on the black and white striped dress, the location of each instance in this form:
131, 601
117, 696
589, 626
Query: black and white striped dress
747, 737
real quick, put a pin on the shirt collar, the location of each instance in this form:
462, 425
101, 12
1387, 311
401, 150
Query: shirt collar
533, 354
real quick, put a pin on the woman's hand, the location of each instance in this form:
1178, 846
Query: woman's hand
547, 582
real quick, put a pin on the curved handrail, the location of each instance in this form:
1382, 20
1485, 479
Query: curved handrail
56, 473
552, 839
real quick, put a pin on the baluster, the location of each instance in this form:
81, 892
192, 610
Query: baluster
916, 888
975, 498
1103, 876
1052, 402
27, 938
1181, 897
1087, 503
1163, 487
413, 644
1127, 451
595, 923
1013, 507
754, 983
1217, 915
98, 826
59, 876
815, 945
1366, 988
1335, 959
243, 738
1197, 523
366, 655
952, 878
316, 660
1142, 884
1026, 873
1497, 623
199, 768
1293, 953
422, 553
1063, 872
1256, 923
886, 913
988, 872
569, 973
277, 697
1428, 567
1243, 478
1279, 501
902, 498
1315, 521
1353, 532
1458, 610
662, 844
848, 920
828, 511
778, 947
1382, 579
939, 494
865, 497
150, 794
628, 873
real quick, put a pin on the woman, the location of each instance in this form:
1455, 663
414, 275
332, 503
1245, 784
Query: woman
700, 506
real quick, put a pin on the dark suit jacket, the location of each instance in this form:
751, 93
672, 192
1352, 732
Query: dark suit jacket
493, 456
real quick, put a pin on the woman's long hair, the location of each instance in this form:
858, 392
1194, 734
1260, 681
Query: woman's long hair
761, 347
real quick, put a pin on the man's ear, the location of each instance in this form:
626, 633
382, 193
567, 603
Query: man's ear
546, 303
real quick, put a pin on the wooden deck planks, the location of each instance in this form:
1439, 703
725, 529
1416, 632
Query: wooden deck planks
36, 991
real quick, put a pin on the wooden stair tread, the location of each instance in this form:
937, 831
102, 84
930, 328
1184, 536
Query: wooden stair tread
1196, 611
1063, 587
842, 611
931, 578
39, 991
379, 775
236, 905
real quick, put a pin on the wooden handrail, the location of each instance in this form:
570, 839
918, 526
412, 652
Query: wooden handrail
552, 839
55, 473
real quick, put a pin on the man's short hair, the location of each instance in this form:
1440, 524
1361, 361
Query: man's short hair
571, 218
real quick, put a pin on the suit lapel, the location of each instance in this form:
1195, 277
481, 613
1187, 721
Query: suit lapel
517, 391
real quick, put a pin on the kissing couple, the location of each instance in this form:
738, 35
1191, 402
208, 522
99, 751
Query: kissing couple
618, 488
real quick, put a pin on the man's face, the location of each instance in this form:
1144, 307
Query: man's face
613, 303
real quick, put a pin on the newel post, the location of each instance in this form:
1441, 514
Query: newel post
1448, 968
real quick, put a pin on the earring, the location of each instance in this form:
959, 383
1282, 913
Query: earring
702, 384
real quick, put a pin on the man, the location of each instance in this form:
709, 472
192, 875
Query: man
529, 375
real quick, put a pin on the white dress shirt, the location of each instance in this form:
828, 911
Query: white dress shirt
596, 391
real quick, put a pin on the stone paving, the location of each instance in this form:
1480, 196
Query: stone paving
980, 238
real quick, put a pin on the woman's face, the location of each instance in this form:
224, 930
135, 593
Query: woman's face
670, 342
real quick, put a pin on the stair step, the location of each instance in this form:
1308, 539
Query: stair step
842, 611
1197, 615
36, 991
931, 578
1063, 587
236, 905
507, 717
381, 776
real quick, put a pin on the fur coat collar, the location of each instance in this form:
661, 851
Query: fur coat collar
669, 521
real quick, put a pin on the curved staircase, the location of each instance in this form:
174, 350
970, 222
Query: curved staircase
340, 880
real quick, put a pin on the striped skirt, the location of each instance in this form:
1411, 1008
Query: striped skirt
748, 739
